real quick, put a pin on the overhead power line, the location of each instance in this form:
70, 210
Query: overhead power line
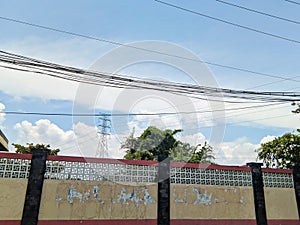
294, 2
229, 114
273, 82
259, 12
133, 114
259, 119
147, 50
22, 63
230, 23
88, 135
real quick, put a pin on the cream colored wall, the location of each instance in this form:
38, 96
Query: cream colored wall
219, 203
226, 203
12, 197
107, 207
281, 203
187, 201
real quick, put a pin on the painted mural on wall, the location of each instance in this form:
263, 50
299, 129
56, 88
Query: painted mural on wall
141, 195
201, 196
124, 197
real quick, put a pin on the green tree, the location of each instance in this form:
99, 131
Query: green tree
193, 154
30, 147
153, 142
282, 152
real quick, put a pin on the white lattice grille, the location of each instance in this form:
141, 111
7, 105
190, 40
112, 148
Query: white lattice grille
120, 172
210, 177
100, 171
281, 180
14, 168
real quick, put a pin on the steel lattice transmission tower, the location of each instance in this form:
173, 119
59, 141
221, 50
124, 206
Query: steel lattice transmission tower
104, 126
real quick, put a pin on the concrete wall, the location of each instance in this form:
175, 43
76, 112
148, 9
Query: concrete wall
81, 200
12, 197
281, 203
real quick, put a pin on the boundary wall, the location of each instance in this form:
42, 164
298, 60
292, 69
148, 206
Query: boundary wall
94, 191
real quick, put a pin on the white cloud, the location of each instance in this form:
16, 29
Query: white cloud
83, 140
21, 84
71, 51
87, 139
238, 152
81, 53
75, 52
267, 139
140, 123
114, 144
279, 115
194, 139
42, 131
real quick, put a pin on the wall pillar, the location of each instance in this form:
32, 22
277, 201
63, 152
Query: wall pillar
34, 187
258, 192
163, 192
296, 179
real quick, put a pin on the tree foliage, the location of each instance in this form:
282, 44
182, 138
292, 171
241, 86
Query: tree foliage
153, 142
282, 152
185, 152
30, 147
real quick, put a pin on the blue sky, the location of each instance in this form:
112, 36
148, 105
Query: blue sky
136, 21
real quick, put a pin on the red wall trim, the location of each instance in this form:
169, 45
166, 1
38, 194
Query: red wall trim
152, 222
139, 162
209, 166
11, 155
270, 170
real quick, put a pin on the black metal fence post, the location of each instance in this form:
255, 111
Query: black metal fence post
258, 192
163, 192
296, 179
34, 187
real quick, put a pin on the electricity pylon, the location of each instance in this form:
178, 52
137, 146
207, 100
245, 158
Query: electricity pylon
104, 127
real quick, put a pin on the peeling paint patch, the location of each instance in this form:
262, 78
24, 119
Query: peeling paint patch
202, 198
58, 198
147, 197
180, 200
87, 195
73, 193
123, 197
135, 196
96, 194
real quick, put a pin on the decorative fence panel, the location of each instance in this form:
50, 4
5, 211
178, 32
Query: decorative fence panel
133, 171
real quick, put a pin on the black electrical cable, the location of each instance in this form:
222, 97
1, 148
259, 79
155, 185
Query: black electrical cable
259, 12
143, 49
230, 23
120, 81
131, 114
294, 2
